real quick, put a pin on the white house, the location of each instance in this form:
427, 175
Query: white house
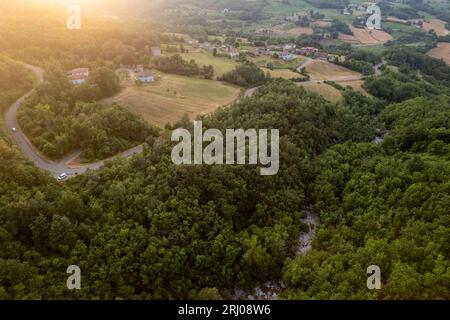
145, 76
156, 51
286, 56
289, 47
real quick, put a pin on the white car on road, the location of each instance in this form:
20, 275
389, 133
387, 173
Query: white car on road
13, 129
62, 176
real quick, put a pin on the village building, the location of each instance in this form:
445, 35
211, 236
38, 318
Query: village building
286, 56
321, 55
232, 52
307, 51
143, 75
156, 51
258, 52
275, 48
346, 12
78, 75
146, 76
289, 47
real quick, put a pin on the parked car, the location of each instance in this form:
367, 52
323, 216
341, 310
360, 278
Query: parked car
13, 129
62, 176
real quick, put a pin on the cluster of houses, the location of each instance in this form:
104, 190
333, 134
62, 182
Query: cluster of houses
230, 51
288, 52
139, 73
347, 11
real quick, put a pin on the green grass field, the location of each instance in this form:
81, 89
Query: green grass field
377, 49
328, 92
277, 63
275, 7
221, 64
172, 96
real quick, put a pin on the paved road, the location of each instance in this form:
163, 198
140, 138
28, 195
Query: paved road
61, 166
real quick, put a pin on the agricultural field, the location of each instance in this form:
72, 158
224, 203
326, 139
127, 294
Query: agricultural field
399, 26
441, 52
324, 70
291, 30
365, 36
321, 23
282, 73
221, 64
275, 7
348, 38
376, 49
170, 98
297, 31
355, 85
328, 92
437, 25
278, 63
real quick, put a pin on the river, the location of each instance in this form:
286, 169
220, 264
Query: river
271, 289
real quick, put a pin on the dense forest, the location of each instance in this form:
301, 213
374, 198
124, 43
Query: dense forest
145, 228
383, 204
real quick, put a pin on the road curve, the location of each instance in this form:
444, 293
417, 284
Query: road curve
61, 166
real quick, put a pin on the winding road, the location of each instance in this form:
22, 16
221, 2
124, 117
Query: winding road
53, 167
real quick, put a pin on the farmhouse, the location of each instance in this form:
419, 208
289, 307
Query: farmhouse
286, 56
145, 76
321, 55
79, 75
259, 52
289, 47
307, 51
232, 52
275, 48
